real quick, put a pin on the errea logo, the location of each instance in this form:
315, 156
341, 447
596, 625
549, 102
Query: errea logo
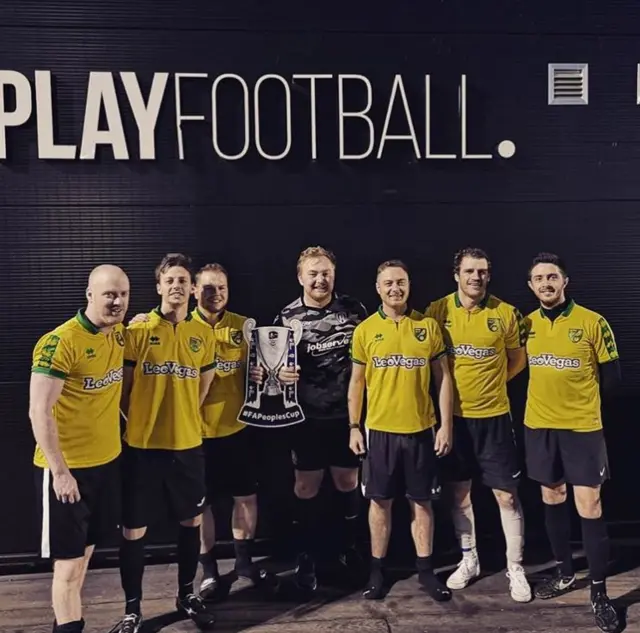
555, 362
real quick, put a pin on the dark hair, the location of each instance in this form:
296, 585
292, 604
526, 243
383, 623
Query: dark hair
469, 251
174, 259
392, 263
212, 268
548, 258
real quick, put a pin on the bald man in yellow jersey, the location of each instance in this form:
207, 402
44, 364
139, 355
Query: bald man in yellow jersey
169, 362
573, 357
485, 345
395, 352
74, 400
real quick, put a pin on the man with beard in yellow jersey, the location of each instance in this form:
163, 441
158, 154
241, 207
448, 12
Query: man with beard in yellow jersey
74, 400
394, 353
572, 358
485, 345
169, 363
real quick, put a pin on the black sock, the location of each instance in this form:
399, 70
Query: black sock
209, 565
596, 545
76, 626
376, 567
307, 518
351, 509
243, 555
558, 526
188, 548
131, 572
429, 581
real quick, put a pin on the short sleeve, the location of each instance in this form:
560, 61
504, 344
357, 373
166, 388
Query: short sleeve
52, 356
604, 342
131, 347
438, 348
358, 353
209, 352
516, 334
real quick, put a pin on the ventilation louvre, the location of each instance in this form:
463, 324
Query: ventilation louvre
568, 84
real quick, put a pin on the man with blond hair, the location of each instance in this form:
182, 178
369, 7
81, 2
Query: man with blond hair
322, 440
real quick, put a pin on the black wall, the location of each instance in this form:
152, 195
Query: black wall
572, 187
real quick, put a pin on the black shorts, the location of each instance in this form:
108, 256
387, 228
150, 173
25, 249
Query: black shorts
155, 479
400, 464
231, 465
319, 444
68, 528
561, 456
483, 448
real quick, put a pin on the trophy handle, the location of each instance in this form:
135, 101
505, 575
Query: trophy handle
296, 326
247, 328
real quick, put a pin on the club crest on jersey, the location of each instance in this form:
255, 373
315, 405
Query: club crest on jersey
342, 318
575, 335
493, 324
236, 337
119, 339
420, 333
195, 344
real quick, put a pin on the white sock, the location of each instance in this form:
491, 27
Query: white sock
465, 525
513, 528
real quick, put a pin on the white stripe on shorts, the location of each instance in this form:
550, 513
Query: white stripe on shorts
45, 544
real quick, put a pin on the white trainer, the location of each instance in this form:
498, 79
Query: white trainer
518, 584
468, 569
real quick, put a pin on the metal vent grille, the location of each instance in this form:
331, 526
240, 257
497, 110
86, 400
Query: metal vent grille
568, 84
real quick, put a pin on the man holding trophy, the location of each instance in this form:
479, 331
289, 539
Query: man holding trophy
321, 441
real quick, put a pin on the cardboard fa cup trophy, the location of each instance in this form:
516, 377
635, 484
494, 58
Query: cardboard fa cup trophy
272, 403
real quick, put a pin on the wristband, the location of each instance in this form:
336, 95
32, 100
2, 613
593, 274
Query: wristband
354, 425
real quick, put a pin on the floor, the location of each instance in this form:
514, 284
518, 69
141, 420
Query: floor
482, 608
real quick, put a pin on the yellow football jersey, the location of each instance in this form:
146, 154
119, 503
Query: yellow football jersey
226, 396
564, 382
87, 413
397, 356
164, 404
476, 342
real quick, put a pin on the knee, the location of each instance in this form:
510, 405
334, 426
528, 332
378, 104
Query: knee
69, 571
306, 488
589, 507
506, 500
134, 534
346, 482
554, 496
461, 494
192, 523
379, 507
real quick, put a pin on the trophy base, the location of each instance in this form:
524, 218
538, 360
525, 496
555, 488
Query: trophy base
271, 419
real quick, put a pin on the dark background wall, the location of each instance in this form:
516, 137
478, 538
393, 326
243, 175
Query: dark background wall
572, 186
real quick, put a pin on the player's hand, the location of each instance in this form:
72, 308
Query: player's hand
443, 442
139, 318
66, 488
257, 374
356, 442
288, 375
